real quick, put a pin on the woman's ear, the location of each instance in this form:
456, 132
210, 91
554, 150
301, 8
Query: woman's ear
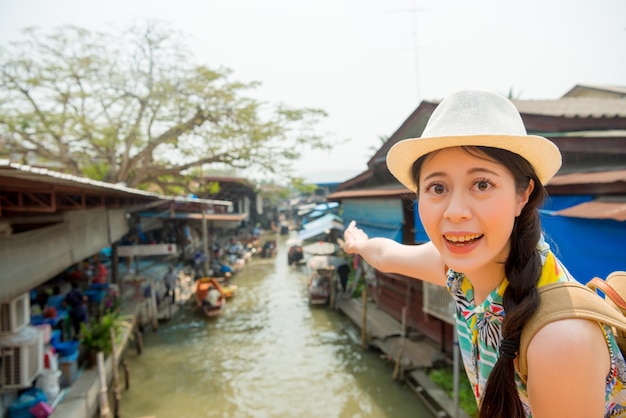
522, 198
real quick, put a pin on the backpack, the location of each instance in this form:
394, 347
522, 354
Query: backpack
565, 300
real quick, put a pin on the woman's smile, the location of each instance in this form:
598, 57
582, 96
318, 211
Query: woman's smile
461, 244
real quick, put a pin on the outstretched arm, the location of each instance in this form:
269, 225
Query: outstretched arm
418, 261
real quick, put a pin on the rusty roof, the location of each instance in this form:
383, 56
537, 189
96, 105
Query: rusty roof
597, 209
613, 176
13, 170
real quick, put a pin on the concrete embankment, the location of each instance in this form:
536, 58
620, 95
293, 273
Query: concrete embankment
82, 398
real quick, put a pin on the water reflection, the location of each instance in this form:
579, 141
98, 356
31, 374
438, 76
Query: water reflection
269, 354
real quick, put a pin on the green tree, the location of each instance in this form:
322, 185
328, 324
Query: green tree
130, 106
300, 187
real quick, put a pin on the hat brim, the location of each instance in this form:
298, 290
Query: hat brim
540, 152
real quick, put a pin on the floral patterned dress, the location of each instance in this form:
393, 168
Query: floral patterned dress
480, 331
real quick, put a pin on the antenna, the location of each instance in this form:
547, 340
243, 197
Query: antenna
414, 11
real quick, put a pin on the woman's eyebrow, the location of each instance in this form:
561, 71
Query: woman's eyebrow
482, 170
434, 174
470, 171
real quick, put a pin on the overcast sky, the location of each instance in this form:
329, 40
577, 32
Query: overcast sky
369, 63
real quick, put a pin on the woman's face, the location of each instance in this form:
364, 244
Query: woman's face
468, 207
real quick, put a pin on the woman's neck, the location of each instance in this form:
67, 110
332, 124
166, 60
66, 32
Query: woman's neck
485, 281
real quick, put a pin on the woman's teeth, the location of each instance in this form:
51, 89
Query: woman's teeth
462, 239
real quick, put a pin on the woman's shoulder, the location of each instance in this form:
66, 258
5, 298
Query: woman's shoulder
569, 360
569, 342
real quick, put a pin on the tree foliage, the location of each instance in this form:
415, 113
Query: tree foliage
130, 106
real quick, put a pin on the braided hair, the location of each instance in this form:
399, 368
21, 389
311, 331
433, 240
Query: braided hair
522, 269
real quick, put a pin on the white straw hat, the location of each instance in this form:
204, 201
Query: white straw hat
475, 118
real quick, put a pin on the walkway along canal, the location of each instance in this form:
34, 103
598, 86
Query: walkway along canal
269, 354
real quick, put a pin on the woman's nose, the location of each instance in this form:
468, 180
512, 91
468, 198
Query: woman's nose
458, 207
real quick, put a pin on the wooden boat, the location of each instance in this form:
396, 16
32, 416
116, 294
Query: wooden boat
225, 286
203, 286
319, 286
269, 249
229, 290
295, 256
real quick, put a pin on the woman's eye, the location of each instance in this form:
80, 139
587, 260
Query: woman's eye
437, 188
482, 185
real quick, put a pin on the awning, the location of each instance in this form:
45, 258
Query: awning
326, 206
321, 248
228, 217
319, 226
315, 214
319, 210
304, 209
325, 262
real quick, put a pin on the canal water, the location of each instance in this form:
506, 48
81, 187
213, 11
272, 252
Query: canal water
269, 354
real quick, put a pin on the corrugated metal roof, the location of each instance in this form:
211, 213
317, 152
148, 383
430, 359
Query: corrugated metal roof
581, 107
365, 193
597, 209
232, 217
26, 172
589, 178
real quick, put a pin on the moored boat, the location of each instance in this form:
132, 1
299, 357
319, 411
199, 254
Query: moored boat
319, 286
209, 296
228, 289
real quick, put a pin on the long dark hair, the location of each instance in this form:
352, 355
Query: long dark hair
522, 269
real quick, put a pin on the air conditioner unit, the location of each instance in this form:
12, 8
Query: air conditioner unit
15, 314
21, 358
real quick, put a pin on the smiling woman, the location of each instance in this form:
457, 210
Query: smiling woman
479, 181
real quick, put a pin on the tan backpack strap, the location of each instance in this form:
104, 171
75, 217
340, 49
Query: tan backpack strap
598, 284
566, 300
613, 287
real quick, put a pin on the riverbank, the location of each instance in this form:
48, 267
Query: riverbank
412, 357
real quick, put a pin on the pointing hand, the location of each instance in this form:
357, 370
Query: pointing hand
353, 236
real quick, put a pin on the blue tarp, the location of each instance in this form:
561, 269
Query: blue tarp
377, 218
556, 203
391, 231
420, 236
587, 247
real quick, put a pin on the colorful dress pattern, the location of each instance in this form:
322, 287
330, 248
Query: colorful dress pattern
480, 331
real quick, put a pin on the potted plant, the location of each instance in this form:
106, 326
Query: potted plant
96, 335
